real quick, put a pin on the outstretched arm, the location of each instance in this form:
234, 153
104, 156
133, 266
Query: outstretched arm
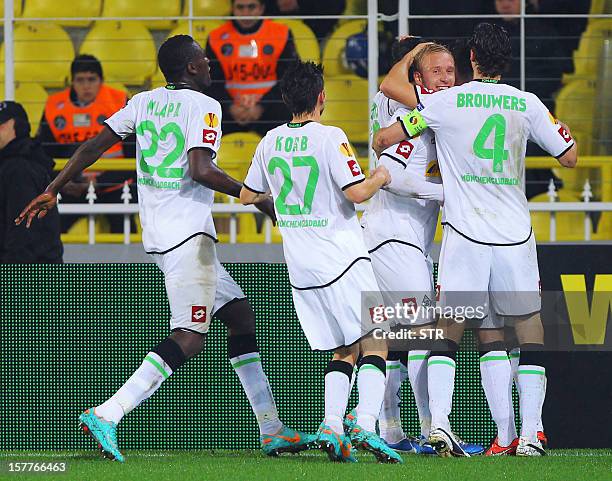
84, 156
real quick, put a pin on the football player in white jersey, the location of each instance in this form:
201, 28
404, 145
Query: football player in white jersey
178, 132
313, 176
481, 131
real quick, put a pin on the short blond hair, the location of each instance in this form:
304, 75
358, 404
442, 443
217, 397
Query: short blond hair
426, 50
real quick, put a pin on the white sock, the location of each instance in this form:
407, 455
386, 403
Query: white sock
371, 386
417, 373
532, 391
337, 390
390, 423
139, 387
441, 384
255, 384
496, 376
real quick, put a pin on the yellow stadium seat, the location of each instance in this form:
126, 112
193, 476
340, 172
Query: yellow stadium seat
356, 7
43, 52
346, 106
79, 231
604, 227
200, 31
130, 8
601, 6
570, 225
125, 49
33, 98
73, 8
236, 152
17, 9
208, 8
587, 56
333, 62
306, 43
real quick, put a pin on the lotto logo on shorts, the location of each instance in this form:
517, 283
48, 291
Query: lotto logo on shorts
377, 318
437, 292
404, 149
564, 133
354, 166
209, 136
410, 303
198, 313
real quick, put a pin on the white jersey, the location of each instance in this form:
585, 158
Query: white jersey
412, 164
481, 131
307, 166
169, 123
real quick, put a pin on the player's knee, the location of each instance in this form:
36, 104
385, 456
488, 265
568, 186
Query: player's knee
172, 354
238, 317
190, 343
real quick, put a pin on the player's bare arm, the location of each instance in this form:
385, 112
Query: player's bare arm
205, 171
396, 85
84, 156
248, 197
570, 158
363, 191
388, 136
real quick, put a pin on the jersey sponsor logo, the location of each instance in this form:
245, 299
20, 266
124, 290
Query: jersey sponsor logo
211, 120
420, 106
346, 149
433, 169
404, 148
209, 136
354, 166
198, 313
565, 135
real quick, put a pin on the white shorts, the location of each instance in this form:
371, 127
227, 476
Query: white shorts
197, 285
405, 277
472, 274
331, 316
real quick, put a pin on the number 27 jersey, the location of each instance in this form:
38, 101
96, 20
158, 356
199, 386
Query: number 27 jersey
306, 167
169, 123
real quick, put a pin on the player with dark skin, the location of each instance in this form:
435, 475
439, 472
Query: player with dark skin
238, 316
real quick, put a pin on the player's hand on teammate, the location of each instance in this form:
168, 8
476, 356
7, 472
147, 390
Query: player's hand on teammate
37, 208
565, 127
382, 173
267, 207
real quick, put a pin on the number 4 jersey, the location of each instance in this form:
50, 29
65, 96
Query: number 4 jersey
169, 123
481, 131
307, 166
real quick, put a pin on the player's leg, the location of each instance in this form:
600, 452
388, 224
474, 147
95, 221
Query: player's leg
463, 280
515, 293
190, 279
496, 378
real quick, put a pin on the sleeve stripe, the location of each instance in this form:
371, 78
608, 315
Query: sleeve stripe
251, 189
213, 154
565, 151
394, 158
399, 119
353, 183
112, 130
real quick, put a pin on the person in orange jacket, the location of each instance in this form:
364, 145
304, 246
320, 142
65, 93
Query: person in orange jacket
77, 114
248, 57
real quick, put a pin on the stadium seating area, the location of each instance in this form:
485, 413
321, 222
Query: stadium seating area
127, 49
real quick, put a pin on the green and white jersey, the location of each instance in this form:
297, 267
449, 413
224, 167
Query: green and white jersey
306, 167
414, 168
169, 123
481, 132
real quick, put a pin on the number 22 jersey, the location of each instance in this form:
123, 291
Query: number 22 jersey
306, 166
168, 123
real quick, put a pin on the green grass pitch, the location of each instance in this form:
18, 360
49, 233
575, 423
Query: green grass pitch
574, 465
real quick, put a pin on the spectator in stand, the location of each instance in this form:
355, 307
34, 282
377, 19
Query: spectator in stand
77, 114
247, 58
25, 170
299, 8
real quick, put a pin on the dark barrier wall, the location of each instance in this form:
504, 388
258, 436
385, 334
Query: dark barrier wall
72, 334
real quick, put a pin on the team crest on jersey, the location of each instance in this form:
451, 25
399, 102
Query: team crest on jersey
209, 136
404, 148
433, 169
211, 120
346, 149
565, 135
354, 166
198, 313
